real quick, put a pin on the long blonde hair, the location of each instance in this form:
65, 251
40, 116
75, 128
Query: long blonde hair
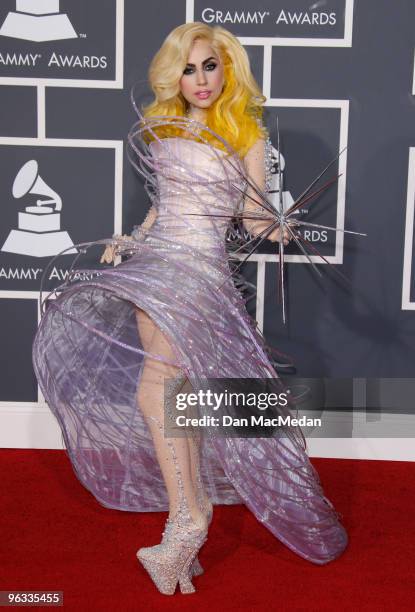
236, 115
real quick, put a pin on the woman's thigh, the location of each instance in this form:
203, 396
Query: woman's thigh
155, 343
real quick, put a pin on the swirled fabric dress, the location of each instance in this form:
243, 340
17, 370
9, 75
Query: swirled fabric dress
88, 357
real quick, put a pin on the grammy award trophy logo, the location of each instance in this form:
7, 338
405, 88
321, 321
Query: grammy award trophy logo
38, 233
38, 21
287, 199
312, 235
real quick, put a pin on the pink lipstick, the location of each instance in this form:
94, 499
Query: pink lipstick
202, 95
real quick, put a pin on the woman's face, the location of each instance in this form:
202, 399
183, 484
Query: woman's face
202, 80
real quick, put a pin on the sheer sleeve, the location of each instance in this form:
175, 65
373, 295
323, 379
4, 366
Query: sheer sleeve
258, 165
140, 231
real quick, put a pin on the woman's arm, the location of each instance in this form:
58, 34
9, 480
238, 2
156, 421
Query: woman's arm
255, 168
138, 233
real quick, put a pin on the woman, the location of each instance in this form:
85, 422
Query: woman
113, 352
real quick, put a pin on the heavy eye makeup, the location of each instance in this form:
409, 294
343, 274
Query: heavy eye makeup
209, 67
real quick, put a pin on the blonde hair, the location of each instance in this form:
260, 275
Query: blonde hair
236, 115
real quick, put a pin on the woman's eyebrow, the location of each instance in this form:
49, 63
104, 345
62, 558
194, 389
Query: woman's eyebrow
203, 63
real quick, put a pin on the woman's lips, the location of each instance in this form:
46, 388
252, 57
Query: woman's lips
202, 95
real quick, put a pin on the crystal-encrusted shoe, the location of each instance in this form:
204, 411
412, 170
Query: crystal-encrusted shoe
206, 507
168, 564
195, 568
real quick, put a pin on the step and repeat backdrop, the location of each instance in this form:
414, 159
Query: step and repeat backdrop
338, 74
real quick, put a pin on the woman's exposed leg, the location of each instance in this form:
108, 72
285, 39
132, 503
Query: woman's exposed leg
194, 441
194, 452
173, 454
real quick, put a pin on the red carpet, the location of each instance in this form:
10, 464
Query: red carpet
56, 536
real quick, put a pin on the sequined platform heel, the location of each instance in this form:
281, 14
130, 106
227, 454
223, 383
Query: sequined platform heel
174, 386
207, 508
169, 562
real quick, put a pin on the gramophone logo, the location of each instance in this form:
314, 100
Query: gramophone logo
38, 233
39, 21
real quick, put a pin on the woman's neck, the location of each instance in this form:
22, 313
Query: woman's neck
198, 114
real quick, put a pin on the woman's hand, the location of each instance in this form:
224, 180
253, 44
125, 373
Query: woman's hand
275, 236
110, 252
108, 255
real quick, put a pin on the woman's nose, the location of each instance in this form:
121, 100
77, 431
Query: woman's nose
201, 77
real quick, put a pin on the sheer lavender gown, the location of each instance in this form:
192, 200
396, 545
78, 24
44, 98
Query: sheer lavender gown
88, 355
